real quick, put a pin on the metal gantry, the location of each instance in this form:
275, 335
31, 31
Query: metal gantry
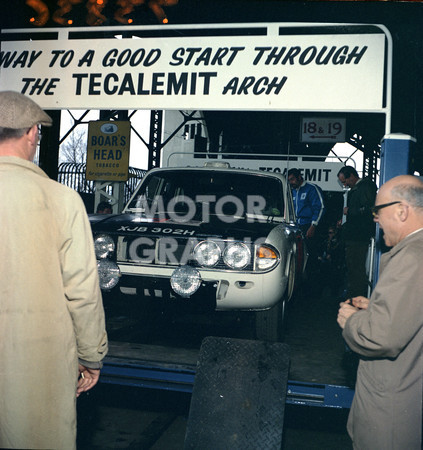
179, 377
154, 146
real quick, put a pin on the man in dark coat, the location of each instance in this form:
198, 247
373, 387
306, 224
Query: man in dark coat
358, 228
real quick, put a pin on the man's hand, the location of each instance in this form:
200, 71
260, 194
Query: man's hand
311, 231
346, 310
349, 307
87, 379
360, 302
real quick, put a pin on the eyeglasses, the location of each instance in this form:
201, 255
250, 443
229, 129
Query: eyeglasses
375, 210
40, 135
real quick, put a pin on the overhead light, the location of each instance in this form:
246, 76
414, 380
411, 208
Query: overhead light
156, 7
42, 11
94, 15
65, 10
126, 8
66, 14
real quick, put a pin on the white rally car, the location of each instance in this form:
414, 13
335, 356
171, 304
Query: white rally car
214, 236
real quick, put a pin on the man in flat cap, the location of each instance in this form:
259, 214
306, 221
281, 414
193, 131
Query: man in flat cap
52, 328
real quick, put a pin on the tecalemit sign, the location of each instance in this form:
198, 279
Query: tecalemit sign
324, 173
256, 67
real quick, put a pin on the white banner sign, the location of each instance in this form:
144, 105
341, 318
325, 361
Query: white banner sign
320, 72
322, 173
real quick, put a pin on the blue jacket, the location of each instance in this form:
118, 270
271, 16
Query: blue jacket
308, 203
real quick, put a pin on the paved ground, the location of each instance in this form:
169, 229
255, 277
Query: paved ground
133, 419
317, 350
116, 417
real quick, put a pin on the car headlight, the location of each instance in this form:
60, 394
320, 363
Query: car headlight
104, 246
185, 281
207, 253
236, 255
108, 273
266, 257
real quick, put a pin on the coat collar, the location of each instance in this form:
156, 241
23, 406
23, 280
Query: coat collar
20, 162
302, 185
415, 236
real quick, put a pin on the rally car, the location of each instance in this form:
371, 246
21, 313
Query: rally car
214, 236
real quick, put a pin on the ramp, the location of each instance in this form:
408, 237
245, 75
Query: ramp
239, 395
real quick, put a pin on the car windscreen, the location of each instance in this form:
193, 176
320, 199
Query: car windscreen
218, 192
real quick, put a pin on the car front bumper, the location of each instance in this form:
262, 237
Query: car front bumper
229, 290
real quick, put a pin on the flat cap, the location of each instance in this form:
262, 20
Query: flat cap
18, 111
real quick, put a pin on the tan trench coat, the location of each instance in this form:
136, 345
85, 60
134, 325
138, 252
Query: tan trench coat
387, 408
51, 310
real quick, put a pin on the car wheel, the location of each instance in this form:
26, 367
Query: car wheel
292, 278
270, 324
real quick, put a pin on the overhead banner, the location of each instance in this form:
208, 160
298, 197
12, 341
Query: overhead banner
304, 72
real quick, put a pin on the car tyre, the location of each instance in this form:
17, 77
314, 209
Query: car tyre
292, 278
270, 324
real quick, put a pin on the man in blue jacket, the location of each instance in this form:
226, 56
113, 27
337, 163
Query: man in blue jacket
308, 203
309, 209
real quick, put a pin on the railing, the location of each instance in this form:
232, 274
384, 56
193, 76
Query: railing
73, 175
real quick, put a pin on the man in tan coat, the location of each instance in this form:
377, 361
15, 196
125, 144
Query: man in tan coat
52, 328
387, 329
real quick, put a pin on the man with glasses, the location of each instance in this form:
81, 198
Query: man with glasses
386, 331
52, 328
358, 228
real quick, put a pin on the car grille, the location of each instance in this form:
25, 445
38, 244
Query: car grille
162, 251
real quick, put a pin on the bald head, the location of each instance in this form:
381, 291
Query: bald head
402, 213
402, 180
404, 187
